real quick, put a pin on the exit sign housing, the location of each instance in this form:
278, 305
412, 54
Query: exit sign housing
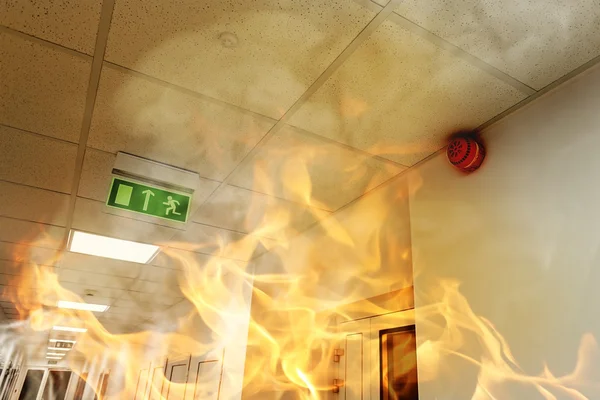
143, 198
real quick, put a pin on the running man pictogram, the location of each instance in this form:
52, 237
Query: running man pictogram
172, 203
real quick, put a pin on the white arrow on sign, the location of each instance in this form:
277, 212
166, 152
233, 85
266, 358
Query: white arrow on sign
148, 193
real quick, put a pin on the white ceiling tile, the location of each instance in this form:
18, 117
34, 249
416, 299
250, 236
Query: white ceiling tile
31, 233
252, 212
148, 299
535, 42
133, 304
174, 258
70, 23
169, 288
145, 118
35, 160
44, 89
220, 242
27, 254
9, 267
100, 291
400, 96
158, 274
292, 154
88, 278
96, 174
282, 46
108, 266
33, 204
90, 216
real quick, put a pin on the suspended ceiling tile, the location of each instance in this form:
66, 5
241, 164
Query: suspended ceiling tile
177, 259
26, 255
535, 42
96, 174
148, 119
9, 267
134, 304
169, 288
90, 216
149, 300
282, 47
34, 160
220, 242
292, 158
96, 177
252, 212
70, 23
100, 291
400, 96
107, 266
44, 89
89, 278
31, 233
33, 204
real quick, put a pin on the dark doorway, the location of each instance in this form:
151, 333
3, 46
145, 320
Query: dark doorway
398, 355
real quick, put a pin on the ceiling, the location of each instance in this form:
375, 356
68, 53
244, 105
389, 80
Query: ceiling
348, 92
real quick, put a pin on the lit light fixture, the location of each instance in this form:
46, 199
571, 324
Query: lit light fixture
82, 306
68, 329
58, 348
62, 340
118, 249
53, 358
56, 354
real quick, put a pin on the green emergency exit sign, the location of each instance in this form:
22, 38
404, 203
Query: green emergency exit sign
142, 198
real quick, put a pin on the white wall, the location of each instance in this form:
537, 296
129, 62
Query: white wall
521, 235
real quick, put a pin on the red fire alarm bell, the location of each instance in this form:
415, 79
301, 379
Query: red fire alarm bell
466, 153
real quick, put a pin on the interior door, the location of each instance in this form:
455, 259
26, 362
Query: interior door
204, 378
360, 371
354, 366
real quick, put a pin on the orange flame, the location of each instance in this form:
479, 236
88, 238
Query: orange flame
352, 265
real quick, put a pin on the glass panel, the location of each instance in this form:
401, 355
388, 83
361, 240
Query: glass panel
398, 354
31, 386
56, 385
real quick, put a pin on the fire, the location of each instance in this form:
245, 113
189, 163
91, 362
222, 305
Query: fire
293, 299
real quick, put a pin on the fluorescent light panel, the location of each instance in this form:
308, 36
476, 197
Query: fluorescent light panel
58, 348
68, 329
53, 358
118, 249
81, 306
62, 340
56, 354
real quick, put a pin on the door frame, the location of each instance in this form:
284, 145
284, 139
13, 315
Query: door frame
370, 327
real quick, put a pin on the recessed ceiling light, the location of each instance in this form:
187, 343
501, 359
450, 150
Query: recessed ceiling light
62, 340
58, 348
118, 249
81, 306
68, 329
56, 354
53, 358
